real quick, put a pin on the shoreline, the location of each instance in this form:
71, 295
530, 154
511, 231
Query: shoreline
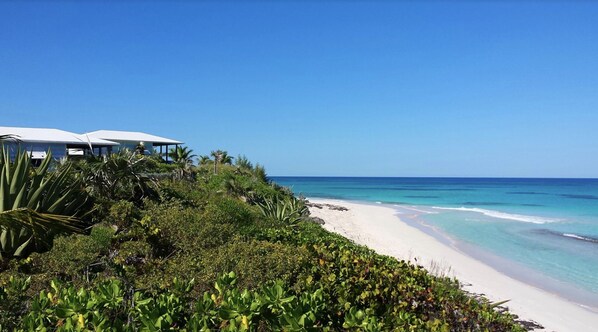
518, 271
381, 229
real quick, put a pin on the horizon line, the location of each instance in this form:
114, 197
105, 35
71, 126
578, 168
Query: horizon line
433, 177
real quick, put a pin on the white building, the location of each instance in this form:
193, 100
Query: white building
38, 141
132, 139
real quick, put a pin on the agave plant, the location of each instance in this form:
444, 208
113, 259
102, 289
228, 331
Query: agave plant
35, 204
288, 211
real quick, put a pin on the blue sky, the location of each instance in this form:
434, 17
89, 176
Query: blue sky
308, 88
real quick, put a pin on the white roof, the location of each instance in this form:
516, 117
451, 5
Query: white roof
50, 135
131, 136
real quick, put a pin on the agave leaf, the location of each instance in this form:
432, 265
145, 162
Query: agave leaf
19, 172
17, 202
499, 303
4, 199
35, 199
21, 248
59, 204
43, 167
22, 227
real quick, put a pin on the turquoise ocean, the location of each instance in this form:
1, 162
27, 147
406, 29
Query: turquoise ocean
541, 231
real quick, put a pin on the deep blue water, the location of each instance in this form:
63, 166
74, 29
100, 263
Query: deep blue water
547, 225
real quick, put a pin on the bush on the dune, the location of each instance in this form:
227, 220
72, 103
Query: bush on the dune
133, 271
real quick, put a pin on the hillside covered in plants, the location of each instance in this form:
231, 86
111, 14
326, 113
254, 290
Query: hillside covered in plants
129, 243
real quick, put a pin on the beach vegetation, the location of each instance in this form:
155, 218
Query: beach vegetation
243, 163
288, 211
226, 250
36, 204
118, 176
220, 158
182, 155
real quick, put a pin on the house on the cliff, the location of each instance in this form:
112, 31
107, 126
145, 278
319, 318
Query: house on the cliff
132, 140
39, 141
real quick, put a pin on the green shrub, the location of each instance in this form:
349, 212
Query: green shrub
256, 262
286, 278
71, 255
13, 302
132, 257
189, 230
186, 193
123, 214
224, 210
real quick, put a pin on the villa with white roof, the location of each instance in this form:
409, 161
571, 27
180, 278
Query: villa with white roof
132, 139
38, 141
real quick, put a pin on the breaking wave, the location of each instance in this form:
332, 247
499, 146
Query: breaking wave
581, 238
502, 215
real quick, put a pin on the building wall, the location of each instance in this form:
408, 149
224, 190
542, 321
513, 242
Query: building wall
58, 150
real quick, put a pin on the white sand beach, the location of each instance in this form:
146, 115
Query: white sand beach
379, 228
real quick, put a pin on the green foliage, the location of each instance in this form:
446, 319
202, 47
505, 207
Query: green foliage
131, 255
298, 278
123, 214
220, 158
205, 160
119, 176
256, 262
75, 256
35, 205
184, 192
260, 172
288, 211
241, 184
243, 163
183, 159
13, 302
185, 229
108, 307
182, 155
228, 210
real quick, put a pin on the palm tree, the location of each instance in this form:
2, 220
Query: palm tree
205, 160
225, 159
221, 157
217, 155
182, 155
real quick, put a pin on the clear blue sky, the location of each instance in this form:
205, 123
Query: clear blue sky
307, 88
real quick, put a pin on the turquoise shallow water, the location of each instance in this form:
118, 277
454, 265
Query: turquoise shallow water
547, 226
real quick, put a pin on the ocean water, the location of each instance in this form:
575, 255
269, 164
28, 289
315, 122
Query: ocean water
542, 231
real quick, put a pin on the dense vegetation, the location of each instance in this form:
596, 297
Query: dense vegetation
157, 247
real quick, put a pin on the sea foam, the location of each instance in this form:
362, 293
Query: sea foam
582, 238
502, 215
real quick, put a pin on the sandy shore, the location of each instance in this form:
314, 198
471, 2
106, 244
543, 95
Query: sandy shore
379, 228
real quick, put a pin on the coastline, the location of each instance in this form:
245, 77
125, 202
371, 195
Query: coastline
381, 229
